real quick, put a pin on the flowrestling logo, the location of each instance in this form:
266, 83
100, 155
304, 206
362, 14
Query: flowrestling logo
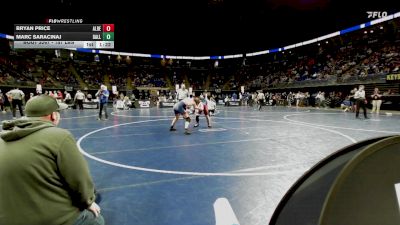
376, 14
57, 21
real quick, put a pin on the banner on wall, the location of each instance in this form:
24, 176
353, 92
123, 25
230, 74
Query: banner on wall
68, 88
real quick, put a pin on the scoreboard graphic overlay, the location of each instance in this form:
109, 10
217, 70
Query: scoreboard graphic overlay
58, 36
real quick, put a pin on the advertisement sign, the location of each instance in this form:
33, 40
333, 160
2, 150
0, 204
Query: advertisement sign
167, 104
234, 103
393, 77
90, 105
144, 104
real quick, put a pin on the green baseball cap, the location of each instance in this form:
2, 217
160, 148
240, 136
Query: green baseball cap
43, 105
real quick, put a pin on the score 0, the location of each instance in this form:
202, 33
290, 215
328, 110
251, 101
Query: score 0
108, 32
108, 27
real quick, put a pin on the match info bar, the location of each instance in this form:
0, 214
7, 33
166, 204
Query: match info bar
58, 36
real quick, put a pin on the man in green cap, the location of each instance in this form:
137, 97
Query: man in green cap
44, 177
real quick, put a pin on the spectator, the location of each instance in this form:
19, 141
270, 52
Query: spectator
376, 101
68, 98
234, 96
320, 99
211, 106
89, 97
2, 100
51, 183
128, 103
182, 93
346, 105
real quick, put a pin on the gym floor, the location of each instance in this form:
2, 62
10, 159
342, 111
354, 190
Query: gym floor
234, 173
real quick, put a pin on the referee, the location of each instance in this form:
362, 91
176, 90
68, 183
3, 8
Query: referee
359, 96
15, 97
